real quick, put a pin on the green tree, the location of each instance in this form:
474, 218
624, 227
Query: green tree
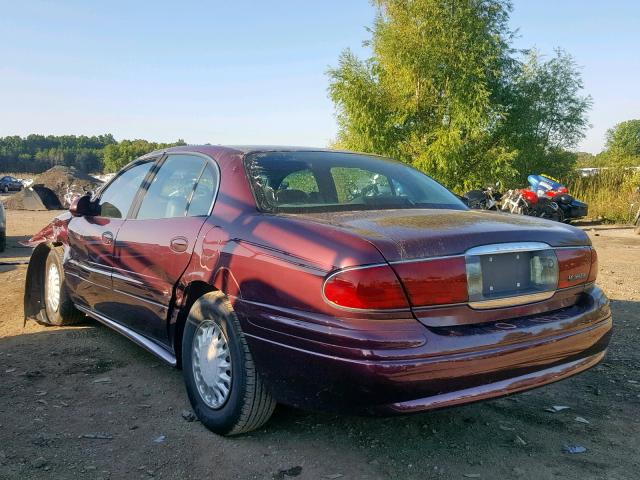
117, 155
426, 94
624, 138
546, 116
623, 144
445, 92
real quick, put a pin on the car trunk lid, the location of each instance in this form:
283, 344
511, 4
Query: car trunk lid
421, 233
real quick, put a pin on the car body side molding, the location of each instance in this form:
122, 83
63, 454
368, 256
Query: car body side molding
141, 340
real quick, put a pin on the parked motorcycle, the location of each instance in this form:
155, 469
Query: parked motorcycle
483, 199
546, 187
527, 202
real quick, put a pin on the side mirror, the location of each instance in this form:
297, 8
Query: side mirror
82, 206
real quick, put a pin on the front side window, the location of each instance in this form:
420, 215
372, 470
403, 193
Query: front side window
171, 189
307, 182
117, 197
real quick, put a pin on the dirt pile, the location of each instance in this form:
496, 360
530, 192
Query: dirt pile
52, 190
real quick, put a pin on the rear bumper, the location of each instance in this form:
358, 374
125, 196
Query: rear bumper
451, 366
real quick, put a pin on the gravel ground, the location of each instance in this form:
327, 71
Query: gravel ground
84, 402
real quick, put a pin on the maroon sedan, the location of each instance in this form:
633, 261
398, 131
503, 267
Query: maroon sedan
320, 279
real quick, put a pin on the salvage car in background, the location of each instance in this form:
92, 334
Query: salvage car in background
3, 228
320, 279
9, 183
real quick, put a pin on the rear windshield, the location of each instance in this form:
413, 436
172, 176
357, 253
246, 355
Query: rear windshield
308, 182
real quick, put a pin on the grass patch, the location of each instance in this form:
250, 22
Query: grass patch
611, 194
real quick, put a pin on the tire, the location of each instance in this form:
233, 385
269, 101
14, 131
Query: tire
5, 189
59, 307
637, 229
3, 240
247, 405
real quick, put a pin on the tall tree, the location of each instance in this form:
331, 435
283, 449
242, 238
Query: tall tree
546, 116
444, 91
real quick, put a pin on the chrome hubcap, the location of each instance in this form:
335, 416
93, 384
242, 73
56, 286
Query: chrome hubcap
211, 362
53, 288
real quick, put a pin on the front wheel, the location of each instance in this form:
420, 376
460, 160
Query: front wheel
5, 189
58, 306
3, 240
224, 388
637, 229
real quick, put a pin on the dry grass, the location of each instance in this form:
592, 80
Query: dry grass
611, 194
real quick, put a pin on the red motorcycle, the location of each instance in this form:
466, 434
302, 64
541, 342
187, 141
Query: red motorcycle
548, 187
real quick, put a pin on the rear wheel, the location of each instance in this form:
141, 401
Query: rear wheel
224, 388
58, 306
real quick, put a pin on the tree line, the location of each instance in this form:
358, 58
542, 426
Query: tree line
95, 154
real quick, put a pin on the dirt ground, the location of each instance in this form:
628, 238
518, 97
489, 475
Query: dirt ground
84, 402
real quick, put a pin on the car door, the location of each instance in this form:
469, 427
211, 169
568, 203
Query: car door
89, 261
154, 247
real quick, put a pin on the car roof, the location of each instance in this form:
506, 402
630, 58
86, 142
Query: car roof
218, 150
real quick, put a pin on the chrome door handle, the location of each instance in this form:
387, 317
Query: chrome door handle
107, 238
179, 244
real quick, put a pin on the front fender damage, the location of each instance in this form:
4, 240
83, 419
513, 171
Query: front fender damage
51, 236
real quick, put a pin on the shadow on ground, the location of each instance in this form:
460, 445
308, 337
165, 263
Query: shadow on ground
14, 251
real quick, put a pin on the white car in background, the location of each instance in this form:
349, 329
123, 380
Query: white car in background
3, 228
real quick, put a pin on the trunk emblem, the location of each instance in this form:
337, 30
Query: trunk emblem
577, 276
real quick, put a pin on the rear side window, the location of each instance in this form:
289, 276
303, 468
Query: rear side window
184, 185
308, 182
171, 189
202, 199
117, 197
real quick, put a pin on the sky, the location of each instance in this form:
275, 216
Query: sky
251, 72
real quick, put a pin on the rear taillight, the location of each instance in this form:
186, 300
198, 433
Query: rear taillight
481, 279
434, 282
370, 288
574, 266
